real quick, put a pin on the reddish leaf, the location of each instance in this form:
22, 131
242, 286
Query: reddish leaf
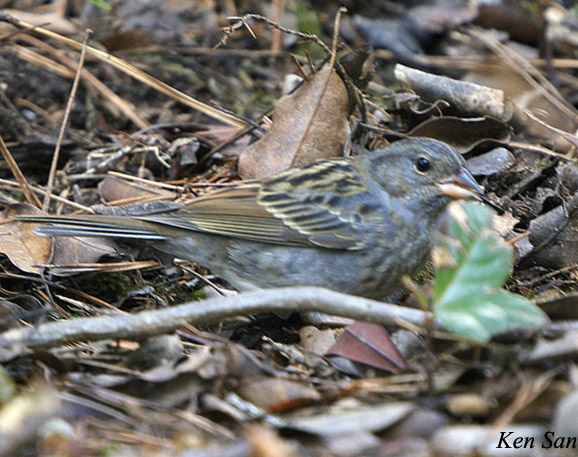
370, 344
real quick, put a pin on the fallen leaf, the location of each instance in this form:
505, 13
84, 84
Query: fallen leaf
49, 20
75, 250
308, 125
370, 344
315, 340
18, 241
554, 237
278, 394
491, 162
31, 252
114, 188
360, 417
545, 112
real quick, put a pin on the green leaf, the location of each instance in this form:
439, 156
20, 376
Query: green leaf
468, 295
102, 4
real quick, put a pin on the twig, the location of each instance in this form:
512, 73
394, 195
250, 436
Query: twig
538, 148
336, 25
242, 22
15, 169
86, 209
54, 164
148, 323
572, 139
278, 7
470, 98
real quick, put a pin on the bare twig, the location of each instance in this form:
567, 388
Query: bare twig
335, 40
64, 123
470, 98
123, 106
242, 22
278, 8
148, 323
15, 169
572, 139
537, 148
13, 185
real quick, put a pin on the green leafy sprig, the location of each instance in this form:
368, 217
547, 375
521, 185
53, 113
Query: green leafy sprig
469, 298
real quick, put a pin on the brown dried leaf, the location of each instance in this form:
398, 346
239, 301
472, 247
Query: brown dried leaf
278, 394
265, 442
19, 308
370, 344
308, 125
31, 252
315, 340
9, 315
80, 250
554, 237
18, 241
114, 188
49, 20
559, 306
73, 254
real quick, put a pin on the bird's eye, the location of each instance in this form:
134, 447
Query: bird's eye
423, 164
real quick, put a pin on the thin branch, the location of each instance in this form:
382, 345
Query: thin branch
242, 22
148, 323
57, 198
15, 169
125, 107
71, 98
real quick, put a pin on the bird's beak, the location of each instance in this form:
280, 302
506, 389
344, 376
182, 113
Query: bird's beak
461, 186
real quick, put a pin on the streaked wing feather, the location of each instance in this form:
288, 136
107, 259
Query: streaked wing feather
312, 210
278, 211
232, 212
283, 210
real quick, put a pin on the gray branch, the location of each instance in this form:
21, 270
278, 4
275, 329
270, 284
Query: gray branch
148, 323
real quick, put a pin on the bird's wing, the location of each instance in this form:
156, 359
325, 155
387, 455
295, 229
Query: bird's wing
230, 212
321, 205
281, 210
324, 202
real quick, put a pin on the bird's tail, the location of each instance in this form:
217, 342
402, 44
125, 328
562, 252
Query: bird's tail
91, 225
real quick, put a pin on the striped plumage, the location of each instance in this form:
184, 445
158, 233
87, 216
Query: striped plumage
353, 225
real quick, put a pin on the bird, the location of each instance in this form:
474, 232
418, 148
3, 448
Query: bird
354, 225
